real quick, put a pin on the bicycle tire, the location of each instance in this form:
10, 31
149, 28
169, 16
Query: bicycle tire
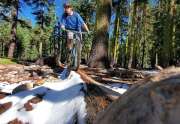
75, 56
78, 49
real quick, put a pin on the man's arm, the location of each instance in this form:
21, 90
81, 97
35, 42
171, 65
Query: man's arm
62, 24
63, 27
85, 27
82, 23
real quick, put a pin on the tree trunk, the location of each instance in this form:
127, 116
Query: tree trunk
41, 38
2, 49
131, 36
41, 34
115, 43
172, 31
131, 49
1, 54
13, 41
99, 52
40, 48
144, 32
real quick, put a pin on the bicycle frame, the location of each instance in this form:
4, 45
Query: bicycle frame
75, 54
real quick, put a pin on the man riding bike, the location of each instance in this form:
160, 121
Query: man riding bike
72, 21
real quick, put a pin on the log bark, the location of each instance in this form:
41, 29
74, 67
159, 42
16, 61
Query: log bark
154, 100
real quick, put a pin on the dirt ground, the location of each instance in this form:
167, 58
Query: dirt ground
113, 75
96, 98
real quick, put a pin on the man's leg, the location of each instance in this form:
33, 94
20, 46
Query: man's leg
69, 48
80, 46
69, 44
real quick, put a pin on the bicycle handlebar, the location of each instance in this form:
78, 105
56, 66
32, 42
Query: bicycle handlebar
76, 32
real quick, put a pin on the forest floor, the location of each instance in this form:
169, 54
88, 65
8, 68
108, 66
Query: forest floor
6, 61
23, 88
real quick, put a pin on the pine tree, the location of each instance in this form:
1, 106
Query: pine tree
40, 10
99, 51
10, 12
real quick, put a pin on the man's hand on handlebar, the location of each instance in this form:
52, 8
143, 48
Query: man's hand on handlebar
66, 30
63, 28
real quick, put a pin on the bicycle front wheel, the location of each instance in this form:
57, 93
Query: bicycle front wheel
76, 56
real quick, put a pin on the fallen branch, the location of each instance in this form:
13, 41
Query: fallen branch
159, 67
113, 95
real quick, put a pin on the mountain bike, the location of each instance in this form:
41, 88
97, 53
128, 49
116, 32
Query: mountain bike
73, 58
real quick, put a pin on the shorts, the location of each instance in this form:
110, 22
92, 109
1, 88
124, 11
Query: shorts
70, 35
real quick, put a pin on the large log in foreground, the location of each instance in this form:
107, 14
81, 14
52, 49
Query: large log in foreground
154, 100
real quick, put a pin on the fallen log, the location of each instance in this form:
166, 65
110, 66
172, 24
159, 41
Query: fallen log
113, 95
50, 61
159, 67
155, 100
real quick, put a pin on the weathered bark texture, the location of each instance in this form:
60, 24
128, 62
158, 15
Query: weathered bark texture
13, 41
99, 52
153, 101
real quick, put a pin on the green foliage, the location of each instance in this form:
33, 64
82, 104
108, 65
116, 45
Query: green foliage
26, 49
44, 12
40, 11
4, 32
165, 30
5, 61
153, 33
86, 8
4, 37
87, 43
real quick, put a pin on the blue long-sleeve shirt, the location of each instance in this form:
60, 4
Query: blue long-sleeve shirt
72, 22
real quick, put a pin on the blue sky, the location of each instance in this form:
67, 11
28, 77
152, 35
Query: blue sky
27, 11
